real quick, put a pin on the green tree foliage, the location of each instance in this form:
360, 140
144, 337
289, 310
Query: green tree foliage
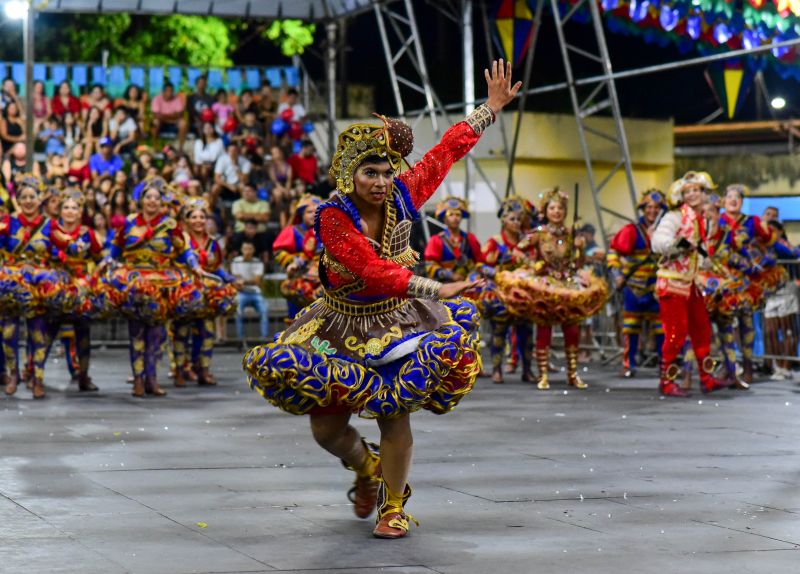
293, 36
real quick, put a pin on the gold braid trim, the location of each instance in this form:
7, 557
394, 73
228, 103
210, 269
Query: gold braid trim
423, 288
480, 119
353, 309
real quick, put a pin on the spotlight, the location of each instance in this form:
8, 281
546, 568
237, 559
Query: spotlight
778, 103
16, 9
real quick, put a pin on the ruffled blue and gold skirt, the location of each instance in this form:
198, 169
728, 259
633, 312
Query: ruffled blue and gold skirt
380, 360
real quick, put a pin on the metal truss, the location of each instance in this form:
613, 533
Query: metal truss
400, 37
603, 96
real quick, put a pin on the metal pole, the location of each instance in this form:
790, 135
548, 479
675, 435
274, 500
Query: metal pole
387, 51
537, 22
423, 69
612, 94
469, 91
330, 57
27, 40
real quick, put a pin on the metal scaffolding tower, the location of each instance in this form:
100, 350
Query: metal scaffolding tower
602, 96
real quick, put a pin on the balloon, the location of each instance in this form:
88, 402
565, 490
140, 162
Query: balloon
207, 115
230, 125
287, 114
279, 126
668, 18
693, 26
295, 130
308, 127
297, 146
638, 10
250, 141
721, 33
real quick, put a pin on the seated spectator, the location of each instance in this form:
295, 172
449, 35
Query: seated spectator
78, 171
208, 148
223, 111
14, 166
96, 127
182, 173
100, 225
194, 188
250, 208
305, 166
124, 131
104, 162
168, 111
199, 101
293, 103
97, 98
55, 166
141, 166
117, 208
249, 271
41, 106
65, 102
230, 173
250, 135
12, 126
261, 241
72, 130
133, 102
280, 174
52, 135
9, 94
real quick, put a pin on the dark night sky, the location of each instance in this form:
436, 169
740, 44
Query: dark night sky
683, 94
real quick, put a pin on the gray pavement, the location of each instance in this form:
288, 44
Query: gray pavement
612, 479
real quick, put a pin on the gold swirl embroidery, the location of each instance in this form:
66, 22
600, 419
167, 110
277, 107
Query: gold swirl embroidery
374, 346
303, 333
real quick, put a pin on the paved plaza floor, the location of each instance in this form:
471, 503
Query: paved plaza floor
608, 480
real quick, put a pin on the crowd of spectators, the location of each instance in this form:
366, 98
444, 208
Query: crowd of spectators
248, 154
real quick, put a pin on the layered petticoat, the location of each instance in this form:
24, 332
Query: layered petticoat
28, 290
153, 295
724, 294
380, 360
551, 300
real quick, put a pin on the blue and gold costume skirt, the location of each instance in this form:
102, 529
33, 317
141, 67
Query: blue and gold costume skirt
29, 290
380, 360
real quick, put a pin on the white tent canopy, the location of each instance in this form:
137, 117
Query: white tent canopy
315, 10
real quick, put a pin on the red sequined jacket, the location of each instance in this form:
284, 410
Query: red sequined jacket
382, 269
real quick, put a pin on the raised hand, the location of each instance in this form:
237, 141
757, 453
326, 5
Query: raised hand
450, 290
501, 92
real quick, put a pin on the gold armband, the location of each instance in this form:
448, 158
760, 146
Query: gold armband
481, 118
422, 288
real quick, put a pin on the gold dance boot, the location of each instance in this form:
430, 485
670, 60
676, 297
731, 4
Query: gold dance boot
542, 363
573, 379
393, 521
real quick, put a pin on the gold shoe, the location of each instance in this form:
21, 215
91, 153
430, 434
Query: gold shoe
573, 379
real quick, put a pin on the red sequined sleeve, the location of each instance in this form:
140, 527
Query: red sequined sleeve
424, 178
350, 248
433, 250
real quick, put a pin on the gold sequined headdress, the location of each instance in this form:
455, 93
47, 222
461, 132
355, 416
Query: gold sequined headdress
191, 204
71, 193
548, 195
391, 141
739, 188
31, 181
451, 204
169, 194
675, 193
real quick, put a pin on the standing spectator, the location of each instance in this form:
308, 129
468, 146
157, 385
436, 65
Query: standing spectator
249, 271
53, 137
133, 102
41, 105
246, 104
267, 106
124, 131
97, 98
250, 208
223, 111
198, 101
104, 162
304, 165
293, 103
229, 175
280, 174
168, 114
208, 148
64, 102
12, 126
